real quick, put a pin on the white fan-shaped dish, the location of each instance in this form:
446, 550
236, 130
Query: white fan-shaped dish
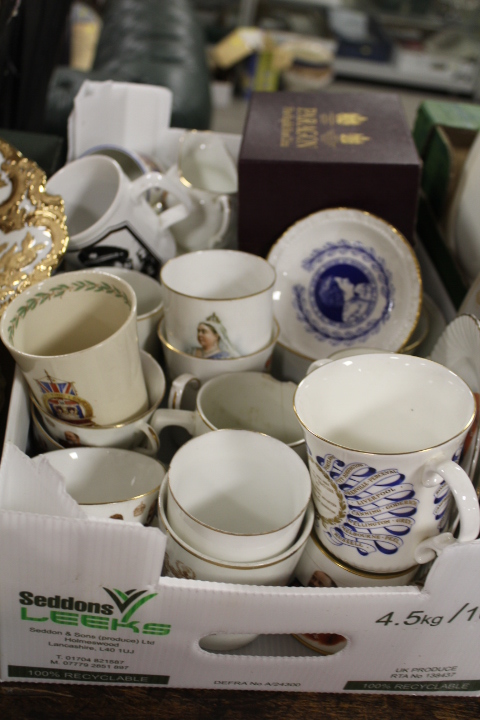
458, 348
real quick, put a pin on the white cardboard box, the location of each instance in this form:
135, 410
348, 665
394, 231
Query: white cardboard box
82, 600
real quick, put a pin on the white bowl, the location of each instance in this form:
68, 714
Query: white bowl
109, 482
237, 495
182, 561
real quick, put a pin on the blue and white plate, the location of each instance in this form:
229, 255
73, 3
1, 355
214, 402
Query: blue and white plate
345, 278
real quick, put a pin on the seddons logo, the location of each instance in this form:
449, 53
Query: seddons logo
73, 612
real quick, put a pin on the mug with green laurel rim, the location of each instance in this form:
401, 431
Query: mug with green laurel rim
74, 337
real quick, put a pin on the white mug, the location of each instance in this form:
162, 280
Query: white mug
109, 219
74, 336
136, 434
383, 434
178, 362
218, 303
133, 164
149, 296
243, 401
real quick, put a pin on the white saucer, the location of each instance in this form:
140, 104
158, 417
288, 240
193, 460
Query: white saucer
345, 278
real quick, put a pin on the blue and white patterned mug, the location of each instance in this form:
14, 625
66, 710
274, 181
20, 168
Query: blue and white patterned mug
384, 433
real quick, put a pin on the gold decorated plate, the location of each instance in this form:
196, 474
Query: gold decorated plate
33, 231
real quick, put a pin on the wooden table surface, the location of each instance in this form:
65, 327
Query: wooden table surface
41, 701
29, 701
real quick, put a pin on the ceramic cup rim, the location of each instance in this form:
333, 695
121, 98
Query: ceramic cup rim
123, 274
300, 540
320, 548
85, 237
20, 299
295, 444
187, 257
145, 494
247, 435
375, 453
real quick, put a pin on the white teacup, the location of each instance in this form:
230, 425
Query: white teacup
184, 561
237, 495
218, 303
381, 431
243, 401
178, 362
136, 434
110, 482
108, 217
74, 336
149, 306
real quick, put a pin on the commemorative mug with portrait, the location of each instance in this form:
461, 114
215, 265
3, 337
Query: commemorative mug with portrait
243, 401
218, 303
384, 433
74, 337
135, 434
109, 218
178, 362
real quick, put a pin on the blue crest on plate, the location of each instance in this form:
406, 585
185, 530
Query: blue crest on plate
349, 296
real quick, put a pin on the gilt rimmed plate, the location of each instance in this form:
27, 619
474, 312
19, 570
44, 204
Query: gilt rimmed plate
33, 231
345, 278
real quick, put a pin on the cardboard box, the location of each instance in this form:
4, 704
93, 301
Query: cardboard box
82, 601
303, 152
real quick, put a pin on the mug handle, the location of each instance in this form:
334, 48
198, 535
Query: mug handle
225, 205
467, 505
153, 443
179, 386
164, 417
155, 180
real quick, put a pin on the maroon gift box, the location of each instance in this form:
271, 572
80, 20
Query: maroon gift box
303, 152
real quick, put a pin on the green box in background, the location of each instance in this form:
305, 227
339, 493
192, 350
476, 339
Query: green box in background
444, 132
